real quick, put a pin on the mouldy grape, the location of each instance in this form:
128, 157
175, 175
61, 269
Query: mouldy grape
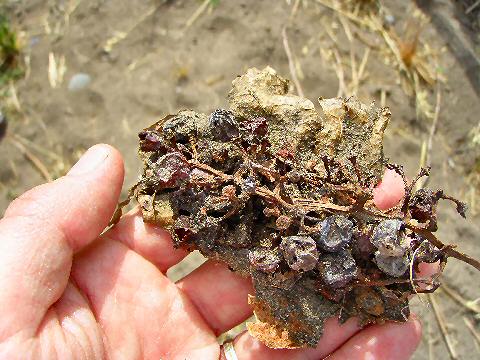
283, 194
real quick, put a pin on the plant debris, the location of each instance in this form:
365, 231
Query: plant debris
285, 195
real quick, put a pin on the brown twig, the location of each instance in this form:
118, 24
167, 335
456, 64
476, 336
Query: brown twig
291, 64
443, 327
211, 170
309, 205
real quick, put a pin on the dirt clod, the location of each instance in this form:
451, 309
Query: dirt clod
285, 195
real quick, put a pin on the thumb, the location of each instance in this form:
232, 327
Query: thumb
43, 228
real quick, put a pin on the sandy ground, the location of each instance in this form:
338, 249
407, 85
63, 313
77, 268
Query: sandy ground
144, 63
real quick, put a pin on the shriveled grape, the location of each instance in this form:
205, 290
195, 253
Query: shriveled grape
300, 252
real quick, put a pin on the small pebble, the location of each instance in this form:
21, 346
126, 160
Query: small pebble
389, 20
79, 81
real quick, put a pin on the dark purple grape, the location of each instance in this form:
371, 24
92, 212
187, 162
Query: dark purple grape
338, 269
392, 265
300, 252
335, 233
265, 260
421, 205
171, 168
150, 140
388, 237
223, 126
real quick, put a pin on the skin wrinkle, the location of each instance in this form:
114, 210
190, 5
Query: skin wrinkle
50, 329
29, 343
75, 328
73, 338
100, 350
91, 342
106, 344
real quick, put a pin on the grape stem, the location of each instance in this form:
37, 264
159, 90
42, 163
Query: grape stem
448, 250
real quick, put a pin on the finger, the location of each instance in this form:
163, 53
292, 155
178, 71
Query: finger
142, 314
220, 295
388, 341
390, 190
42, 229
335, 334
151, 242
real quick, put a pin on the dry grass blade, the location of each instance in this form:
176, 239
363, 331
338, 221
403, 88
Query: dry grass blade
363, 64
348, 15
342, 90
443, 327
295, 7
433, 129
291, 63
469, 305
383, 98
472, 329
200, 10
36, 162
430, 341
472, 7
56, 69
38, 148
122, 35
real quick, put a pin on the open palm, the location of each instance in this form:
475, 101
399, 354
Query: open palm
68, 292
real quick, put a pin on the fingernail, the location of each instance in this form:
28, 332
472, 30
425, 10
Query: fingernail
90, 161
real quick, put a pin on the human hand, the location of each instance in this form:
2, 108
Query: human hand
70, 292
